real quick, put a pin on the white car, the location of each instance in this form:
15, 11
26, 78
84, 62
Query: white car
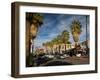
50, 56
78, 55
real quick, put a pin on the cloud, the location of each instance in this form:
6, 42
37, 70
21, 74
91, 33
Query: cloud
64, 23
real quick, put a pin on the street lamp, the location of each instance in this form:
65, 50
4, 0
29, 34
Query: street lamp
86, 33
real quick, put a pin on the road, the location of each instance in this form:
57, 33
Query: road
67, 61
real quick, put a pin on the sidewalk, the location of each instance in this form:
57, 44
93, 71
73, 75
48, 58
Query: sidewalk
78, 60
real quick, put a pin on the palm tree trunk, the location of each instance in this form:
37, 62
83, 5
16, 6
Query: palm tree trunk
65, 47
59, 48
52, 50
75, 44
32, 45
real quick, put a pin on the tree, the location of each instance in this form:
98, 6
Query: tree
76, 30
59, 41
33, 22
49, 46
55, 43
65, 37
45, 45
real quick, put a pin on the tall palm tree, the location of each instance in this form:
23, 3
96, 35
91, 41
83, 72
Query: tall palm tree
45, 46
49, 46
65, 37
59, 42
33, 22
55, 43
76, 30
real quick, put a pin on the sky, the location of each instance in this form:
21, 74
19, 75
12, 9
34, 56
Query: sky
54, 24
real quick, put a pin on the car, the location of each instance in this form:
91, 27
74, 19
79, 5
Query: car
50, 56
78, 55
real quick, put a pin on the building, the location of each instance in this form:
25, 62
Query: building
57, 48
85, 44
39, 51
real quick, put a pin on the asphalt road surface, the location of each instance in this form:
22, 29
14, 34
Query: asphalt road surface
67, 61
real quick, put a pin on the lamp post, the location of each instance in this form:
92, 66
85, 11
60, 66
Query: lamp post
86, 33
87, 49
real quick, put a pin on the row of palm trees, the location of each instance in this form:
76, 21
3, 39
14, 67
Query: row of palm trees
63, 38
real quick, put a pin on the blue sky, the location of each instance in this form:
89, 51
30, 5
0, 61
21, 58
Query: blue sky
54, 24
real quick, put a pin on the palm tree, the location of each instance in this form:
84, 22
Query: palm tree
45, 45
55, 43
49, 46
33, 22
76, 30
65, 37
59, 42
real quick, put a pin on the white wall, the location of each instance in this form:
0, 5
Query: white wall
5, 40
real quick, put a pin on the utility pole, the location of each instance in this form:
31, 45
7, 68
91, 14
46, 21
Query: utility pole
86, 34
